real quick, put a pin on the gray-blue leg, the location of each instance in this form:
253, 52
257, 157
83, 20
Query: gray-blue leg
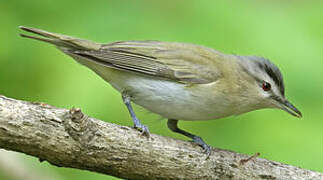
172, 125
137, 124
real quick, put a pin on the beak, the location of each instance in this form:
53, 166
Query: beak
291, 109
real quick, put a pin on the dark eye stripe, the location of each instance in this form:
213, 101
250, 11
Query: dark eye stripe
274, 73
263, 65
276, 77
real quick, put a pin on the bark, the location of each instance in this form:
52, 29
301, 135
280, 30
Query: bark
68, 138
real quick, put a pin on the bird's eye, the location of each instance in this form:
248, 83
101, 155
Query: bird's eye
266, 86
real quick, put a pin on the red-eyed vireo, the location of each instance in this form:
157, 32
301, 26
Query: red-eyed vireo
179, 81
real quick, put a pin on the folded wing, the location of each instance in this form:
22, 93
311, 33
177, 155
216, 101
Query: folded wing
185, 63
181, 62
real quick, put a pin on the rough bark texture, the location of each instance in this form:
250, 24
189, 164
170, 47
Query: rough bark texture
68, 138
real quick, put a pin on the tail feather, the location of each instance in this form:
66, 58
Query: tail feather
52, 41
60, 40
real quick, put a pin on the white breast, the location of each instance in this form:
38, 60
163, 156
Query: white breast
173, 100
169, 99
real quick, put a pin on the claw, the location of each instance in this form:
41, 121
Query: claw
206, 148
144, 129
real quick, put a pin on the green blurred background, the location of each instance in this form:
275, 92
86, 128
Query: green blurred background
289, 33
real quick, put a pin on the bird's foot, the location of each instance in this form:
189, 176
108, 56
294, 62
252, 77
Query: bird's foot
206, 148
144, 129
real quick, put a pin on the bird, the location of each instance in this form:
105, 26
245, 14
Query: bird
178, 81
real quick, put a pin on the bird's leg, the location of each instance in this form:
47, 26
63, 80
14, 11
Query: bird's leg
137, 124
172, 125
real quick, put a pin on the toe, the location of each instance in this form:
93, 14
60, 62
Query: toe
206, 147
207, 150
144, 129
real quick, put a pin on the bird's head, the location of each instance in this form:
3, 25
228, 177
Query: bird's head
266, 82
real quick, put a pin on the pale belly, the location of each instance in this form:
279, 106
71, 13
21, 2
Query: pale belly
169, 99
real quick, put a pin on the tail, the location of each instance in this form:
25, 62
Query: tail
59, 40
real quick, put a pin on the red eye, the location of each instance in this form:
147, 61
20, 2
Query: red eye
266, 86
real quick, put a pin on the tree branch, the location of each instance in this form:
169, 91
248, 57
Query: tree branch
68, 138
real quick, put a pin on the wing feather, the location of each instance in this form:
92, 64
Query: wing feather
180, 62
